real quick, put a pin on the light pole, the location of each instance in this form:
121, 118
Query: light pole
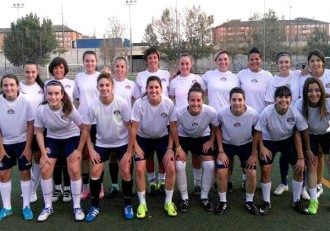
17, 6
129, 3
264, 45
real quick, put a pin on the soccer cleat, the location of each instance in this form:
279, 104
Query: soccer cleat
170, 208
304, 194
319, 189
313, 206
113, 191
141, 211
206, 204
85, 194
197, 190
250, 206
67, 196
5, 213
265, 208
79, 214
33, 197
45, 213
220, 208
27, 214
128, 212
281, 189
300, 207
161, 188
101, 194
92, 213
183, 206
152, 188
230, 187
56, 195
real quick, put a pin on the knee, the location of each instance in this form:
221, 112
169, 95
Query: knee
139, 172
180, 166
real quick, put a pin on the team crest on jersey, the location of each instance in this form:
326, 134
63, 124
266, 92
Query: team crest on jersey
163, 115
163, 79
223, 78
327, 85
290, 119
64, 117
128, 87
116, 112
194, 124
40, 91
254, 80
237, 124
67, 86
11, 111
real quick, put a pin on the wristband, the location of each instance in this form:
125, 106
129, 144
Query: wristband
301, 158
178, 148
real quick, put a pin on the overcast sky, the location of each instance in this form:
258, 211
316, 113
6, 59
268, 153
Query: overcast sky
92, 16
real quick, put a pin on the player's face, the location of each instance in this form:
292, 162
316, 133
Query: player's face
90, 63
284, 64
195, 102
59, 71
105, 87
316, 64
10, 88
313, 93
254, 62
185, 66
54, 96
283, 103
30, 73
237, 104
120, 69
223, 62
152, 62
154, 90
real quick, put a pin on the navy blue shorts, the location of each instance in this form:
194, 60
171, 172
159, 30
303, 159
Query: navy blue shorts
195, 145
15, 152
105, 153
57, 147
323, 140
149, 146
286, 147
243, 152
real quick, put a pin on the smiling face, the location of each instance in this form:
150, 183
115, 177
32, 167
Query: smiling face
284, 64
316, 64
237, 104
222, 62
54, 96
59, 72
10, 88
120, 69
105, 87
282, 103
195, 102
154, 89
90, 63
185, 65
152, 62
30, 73
254, 62
313, 94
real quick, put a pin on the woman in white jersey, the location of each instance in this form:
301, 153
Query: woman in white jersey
316, 65
32, 87
315, 107
85, 92
195, 136
16, 135
150, 117
112, 113
152, 59
279, 130
58, 68
63, 123
236, 122
179, 87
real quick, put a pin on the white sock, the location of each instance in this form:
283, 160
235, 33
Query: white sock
169, 195
76, 192
26, 191
161, 177
223, 196
181, 179
197, 176
142, 197
68, 188
265, 187
47, 191
249, 197
296, 189
207, 177
5, 190
313, 193
35, 177
151, 176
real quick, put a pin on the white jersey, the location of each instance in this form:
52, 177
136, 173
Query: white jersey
141, 82
179, 88
254, 85
291, 81
14, 117
58, 125
111, 130
85, 90
125, 89
325, 79
196, 126
68, 85
153, 119
237, 130
33, 93
316, 125
276, 127
218, 86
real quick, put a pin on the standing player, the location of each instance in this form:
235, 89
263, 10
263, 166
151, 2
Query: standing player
237, 121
